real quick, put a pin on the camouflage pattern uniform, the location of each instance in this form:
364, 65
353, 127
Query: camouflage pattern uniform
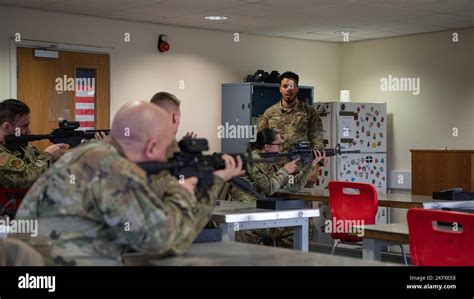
301, 122
172, 148
19, 169
96, 206
268, 179
298, 123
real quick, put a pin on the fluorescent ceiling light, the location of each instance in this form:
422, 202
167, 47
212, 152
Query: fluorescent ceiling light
215, 18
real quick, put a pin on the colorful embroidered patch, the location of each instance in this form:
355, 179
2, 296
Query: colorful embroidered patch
15, 163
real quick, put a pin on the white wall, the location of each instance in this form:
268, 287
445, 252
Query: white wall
204, 59
446, 100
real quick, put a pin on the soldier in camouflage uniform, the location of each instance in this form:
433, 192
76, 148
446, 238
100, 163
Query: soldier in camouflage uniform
171, 103
268, 179
293, 119
95, 204
21, 166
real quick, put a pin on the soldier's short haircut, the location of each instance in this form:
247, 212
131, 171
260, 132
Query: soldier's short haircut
166, 100
265, 136
290, 75
11, 109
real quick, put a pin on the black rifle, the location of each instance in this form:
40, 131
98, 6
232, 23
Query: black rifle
191, 162
66, 133
304, 151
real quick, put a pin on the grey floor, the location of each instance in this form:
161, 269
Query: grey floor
389, 257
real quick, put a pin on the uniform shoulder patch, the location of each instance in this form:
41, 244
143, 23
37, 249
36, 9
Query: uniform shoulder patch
15, 164
138, 171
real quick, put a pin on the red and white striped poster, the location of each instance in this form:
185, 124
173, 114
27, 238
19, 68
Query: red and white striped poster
85, 107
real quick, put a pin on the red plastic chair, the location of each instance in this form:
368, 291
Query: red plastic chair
431, 245
351, 206
10, 200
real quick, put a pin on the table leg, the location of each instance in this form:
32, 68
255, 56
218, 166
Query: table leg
300, 236
228, 232
372, 249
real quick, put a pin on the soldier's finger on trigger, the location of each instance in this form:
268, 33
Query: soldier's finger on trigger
232, 161
228, 161
239, 165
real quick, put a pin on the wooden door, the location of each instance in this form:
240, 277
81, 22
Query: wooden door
44, 84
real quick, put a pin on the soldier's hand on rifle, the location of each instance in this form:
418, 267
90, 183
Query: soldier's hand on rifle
291, 167
56, 150
100, 136
191, 135
190, 184
231, 169
318, 157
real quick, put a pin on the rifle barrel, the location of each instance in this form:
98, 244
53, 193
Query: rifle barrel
152, 167
26, 138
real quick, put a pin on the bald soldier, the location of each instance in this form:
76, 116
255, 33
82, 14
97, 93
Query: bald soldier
21, 166
96, 204
293, 119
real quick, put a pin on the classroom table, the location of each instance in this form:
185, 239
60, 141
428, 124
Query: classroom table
226, 253
401, 201
377, 236
234, 216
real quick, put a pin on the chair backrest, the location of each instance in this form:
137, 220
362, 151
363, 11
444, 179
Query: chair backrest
10, 200
432, 244
352, 202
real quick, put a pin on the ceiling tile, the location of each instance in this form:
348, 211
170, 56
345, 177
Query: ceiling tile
29, 3
446, 6
164, 10
121, 15
398, 3
76, 8
304, 19
468, 13
303, 4
112, 5
199, 5
465, 24
438, 19
386, 26
420, 29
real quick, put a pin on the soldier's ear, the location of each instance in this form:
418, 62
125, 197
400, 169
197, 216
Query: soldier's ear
6, 126
174, 117
150, 149
266, 147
